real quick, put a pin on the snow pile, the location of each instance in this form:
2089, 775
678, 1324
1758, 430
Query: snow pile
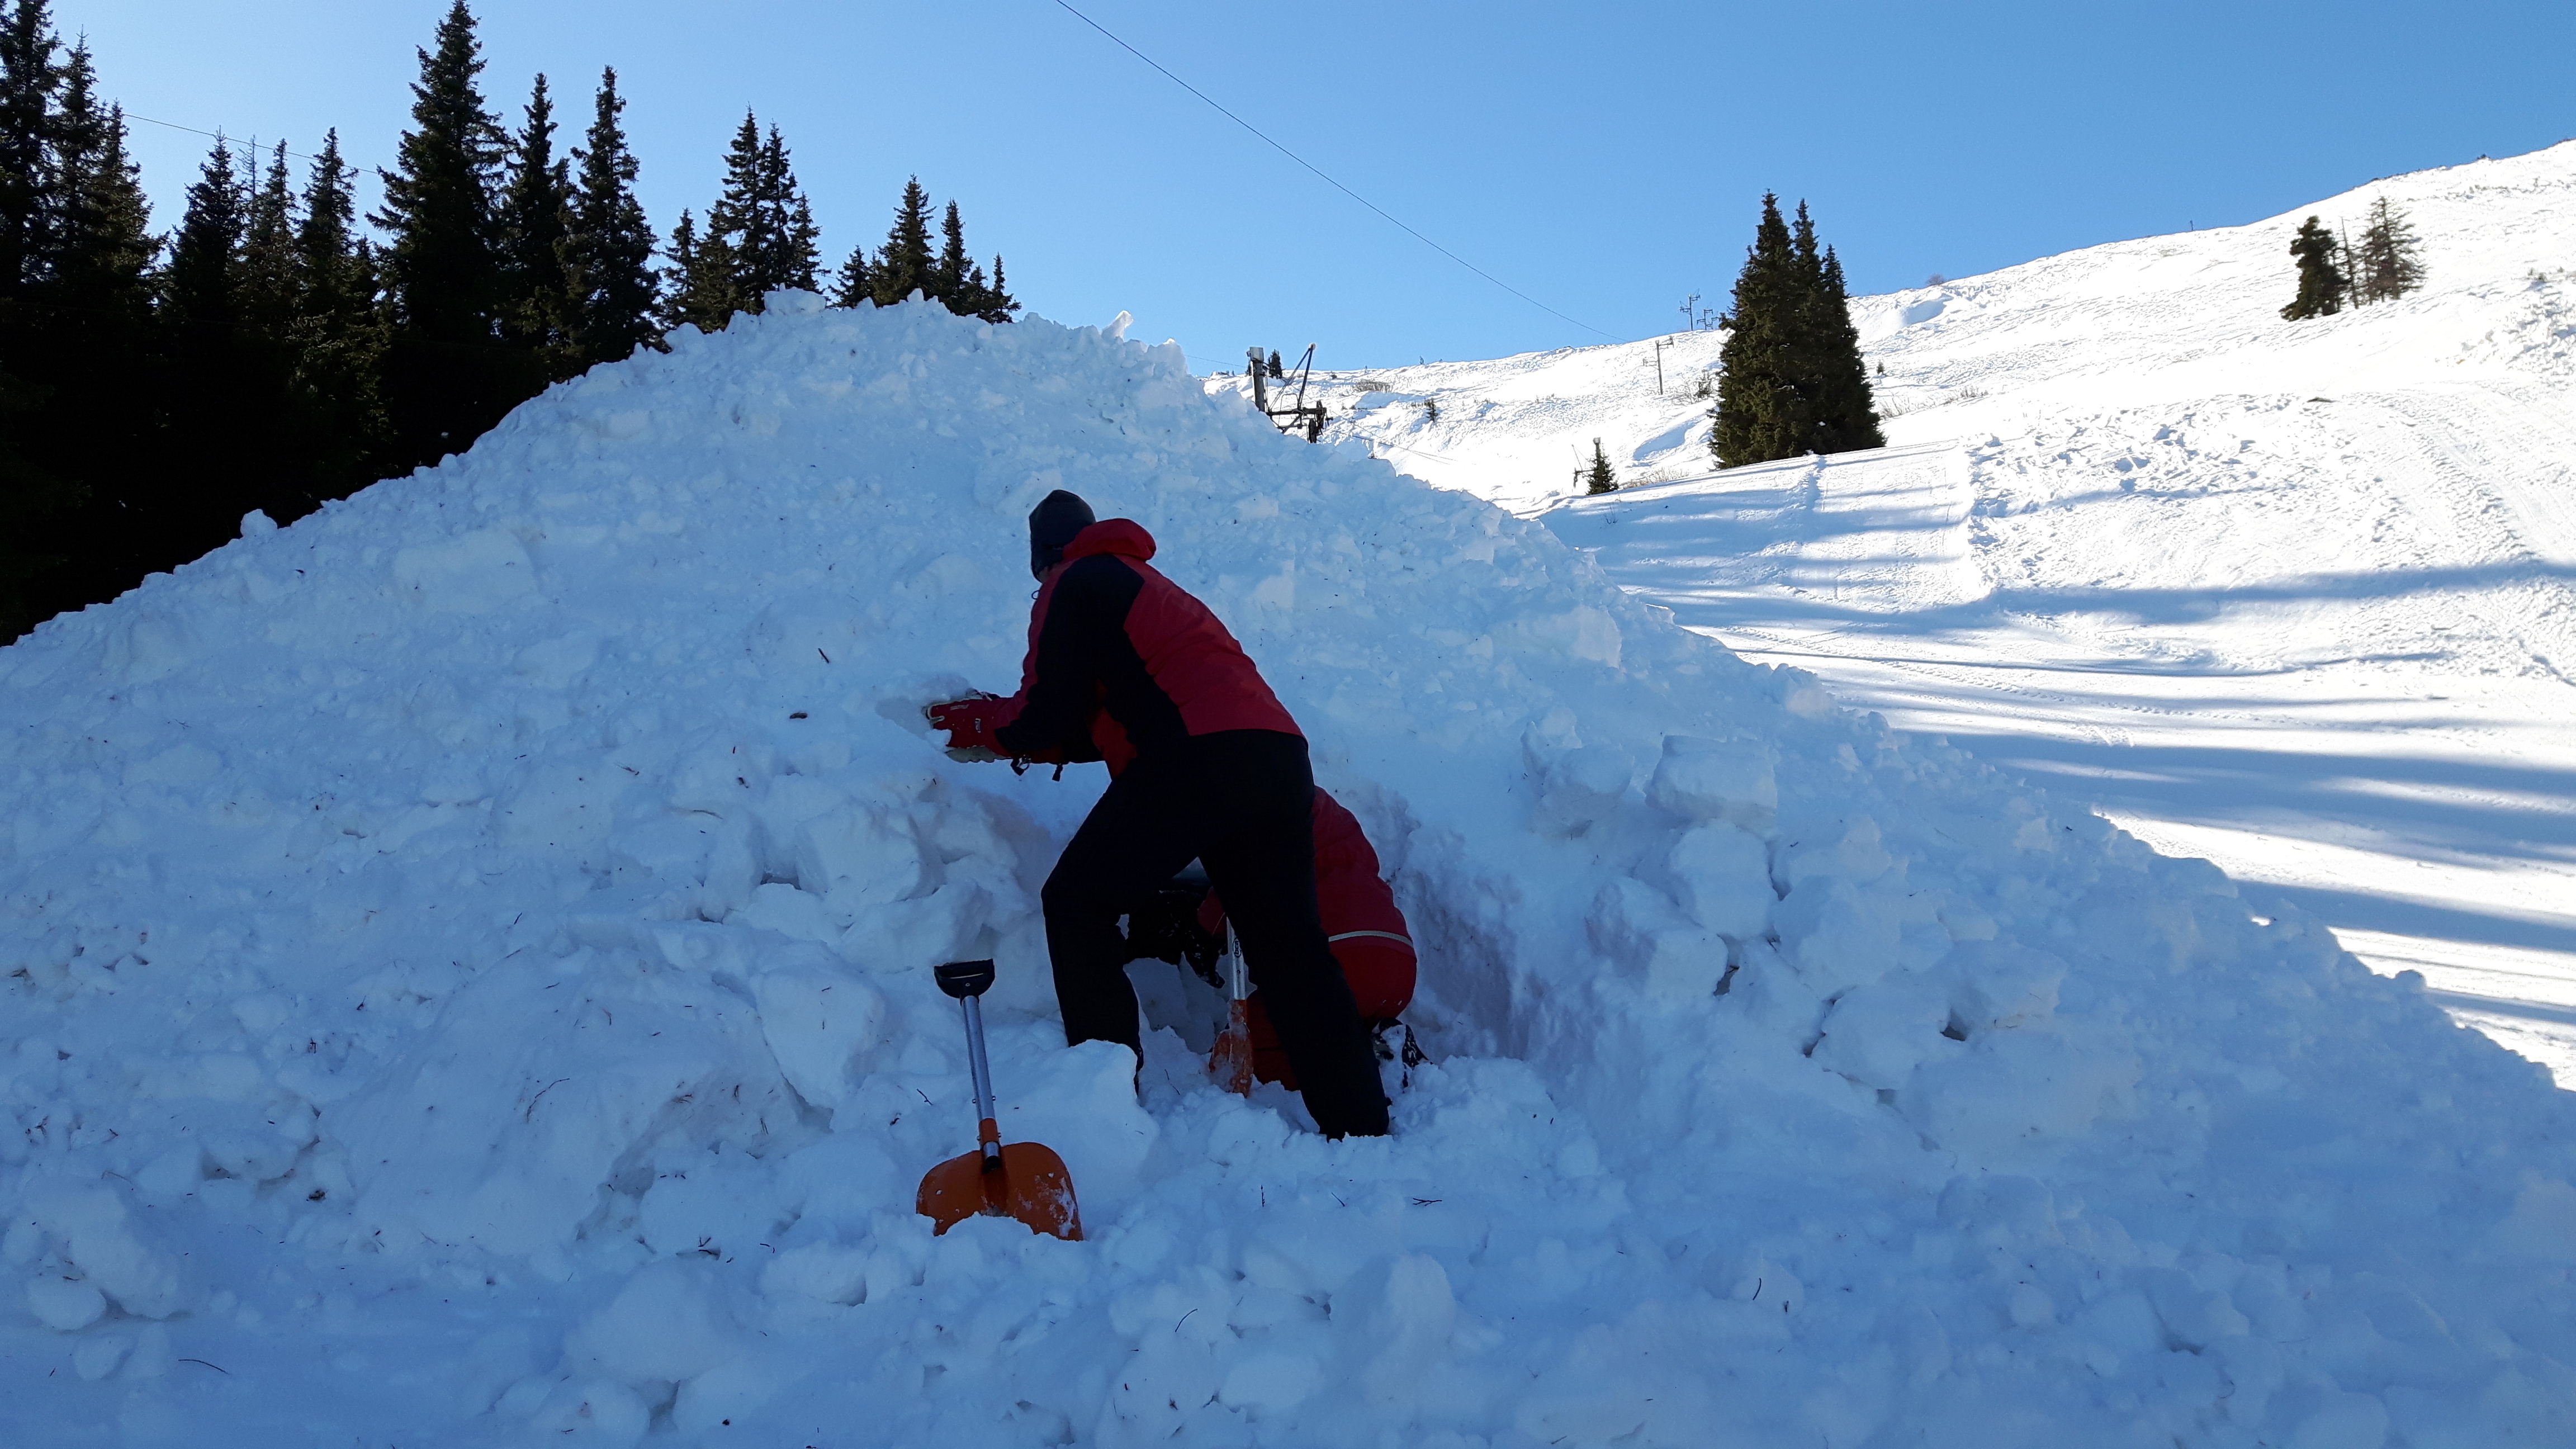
467, 966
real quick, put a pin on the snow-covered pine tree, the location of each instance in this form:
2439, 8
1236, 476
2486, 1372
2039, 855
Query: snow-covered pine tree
609, 255
447, 376
2322, 285
2389, 262
535, 220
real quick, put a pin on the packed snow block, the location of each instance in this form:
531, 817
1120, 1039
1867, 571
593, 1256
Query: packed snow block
1079, 1100
1580, 787
2542, 1226
1878, 1033
1721, 875
2014, 1088
863, 855
98, 1232
1583, 632
708, 1202
1729, 780
1837, 934
2002, 984
667, 1325
1406, 1316
470, 574
1857, 854
536, 1089
1639, 930
65, 1305
821, 1021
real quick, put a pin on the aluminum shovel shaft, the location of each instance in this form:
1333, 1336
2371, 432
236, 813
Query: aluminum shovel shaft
987, 1131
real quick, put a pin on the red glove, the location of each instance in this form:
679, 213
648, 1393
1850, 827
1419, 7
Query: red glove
970, 724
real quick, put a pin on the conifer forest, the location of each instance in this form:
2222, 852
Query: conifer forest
278, 349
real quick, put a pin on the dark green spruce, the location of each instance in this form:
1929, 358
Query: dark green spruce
2322, 285
1793, 381
448, 374
609, 255
536, 223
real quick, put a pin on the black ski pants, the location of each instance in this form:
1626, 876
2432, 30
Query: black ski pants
1241, 802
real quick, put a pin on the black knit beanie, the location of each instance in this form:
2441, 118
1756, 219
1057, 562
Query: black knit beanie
1052, 525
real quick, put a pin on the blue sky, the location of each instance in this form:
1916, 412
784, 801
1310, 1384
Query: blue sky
1605, 160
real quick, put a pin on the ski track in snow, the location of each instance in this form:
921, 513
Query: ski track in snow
464, 970
2293, 597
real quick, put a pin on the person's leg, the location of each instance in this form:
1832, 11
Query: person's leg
1134, 840
1257, 808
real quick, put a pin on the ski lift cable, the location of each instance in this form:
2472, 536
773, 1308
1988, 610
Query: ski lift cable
1328, 180
253, 143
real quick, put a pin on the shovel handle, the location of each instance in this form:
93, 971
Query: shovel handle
967, 980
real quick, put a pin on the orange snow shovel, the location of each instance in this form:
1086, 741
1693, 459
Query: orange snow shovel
1016, 1180
1230, 1061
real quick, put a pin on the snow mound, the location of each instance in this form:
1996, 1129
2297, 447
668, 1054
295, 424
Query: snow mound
467, 965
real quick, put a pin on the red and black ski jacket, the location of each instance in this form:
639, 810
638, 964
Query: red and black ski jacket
1123, 662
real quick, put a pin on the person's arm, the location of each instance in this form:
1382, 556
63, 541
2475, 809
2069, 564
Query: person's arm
1085, 618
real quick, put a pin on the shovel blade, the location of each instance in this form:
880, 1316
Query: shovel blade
1030, 1186
1230, 1062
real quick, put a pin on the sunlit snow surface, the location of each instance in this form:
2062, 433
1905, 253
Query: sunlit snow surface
2295, 597
467, 982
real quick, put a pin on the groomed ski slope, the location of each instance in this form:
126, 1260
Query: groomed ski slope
2295, 597
468, 959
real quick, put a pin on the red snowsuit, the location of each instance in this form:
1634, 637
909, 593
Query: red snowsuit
1367, 932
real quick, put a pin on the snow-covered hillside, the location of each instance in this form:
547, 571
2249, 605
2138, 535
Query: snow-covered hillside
467, 981
2292, 596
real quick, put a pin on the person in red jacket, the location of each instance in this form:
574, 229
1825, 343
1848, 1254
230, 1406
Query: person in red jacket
1125, 666
1361, 923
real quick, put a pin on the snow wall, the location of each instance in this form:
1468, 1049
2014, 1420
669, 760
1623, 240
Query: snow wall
467, 971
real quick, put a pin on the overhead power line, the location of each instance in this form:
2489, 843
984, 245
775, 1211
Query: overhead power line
1328, 180
251, 144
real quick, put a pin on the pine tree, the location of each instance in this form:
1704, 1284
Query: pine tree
610, 252
781, 250
30, 79
213, 400
701, 293
855, 282
904, 265
448, 375
2388, 264
535, 226
269, 281
335, 390
1844, 414
74, 446
33, 494
949, 275
2321, 281
1759, 415
760, 227
1597, 477
201, 291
